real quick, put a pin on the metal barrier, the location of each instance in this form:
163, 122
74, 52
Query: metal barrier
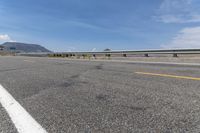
145, 53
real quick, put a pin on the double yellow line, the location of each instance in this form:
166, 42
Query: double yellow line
169, 76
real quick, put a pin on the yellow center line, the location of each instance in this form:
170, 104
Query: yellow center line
169, 76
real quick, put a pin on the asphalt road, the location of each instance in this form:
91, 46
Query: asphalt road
66, 96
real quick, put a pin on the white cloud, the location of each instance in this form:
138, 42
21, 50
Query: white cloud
179, 19
179, 11
186, 38
4, 37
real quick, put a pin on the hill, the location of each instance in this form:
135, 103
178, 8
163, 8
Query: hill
24, 47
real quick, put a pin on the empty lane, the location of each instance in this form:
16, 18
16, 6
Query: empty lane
84, 96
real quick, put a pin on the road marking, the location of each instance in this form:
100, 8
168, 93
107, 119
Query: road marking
169, 76
22, 120
29, 61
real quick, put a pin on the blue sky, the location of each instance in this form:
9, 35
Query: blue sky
93, 25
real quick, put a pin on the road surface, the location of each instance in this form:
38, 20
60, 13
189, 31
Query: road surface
66, 96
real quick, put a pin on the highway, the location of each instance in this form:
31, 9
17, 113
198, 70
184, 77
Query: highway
70, 96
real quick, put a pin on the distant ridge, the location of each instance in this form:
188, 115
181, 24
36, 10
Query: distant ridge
24, 47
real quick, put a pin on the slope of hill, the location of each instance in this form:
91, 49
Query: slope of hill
23, 47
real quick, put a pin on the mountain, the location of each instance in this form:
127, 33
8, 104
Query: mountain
24, 47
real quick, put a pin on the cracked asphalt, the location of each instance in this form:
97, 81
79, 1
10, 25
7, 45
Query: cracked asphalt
68, 96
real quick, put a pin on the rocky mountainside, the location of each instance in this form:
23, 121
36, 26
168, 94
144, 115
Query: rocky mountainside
23, 47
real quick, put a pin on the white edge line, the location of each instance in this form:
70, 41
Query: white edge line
22, 120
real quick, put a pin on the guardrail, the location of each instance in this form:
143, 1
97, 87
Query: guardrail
146, 53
